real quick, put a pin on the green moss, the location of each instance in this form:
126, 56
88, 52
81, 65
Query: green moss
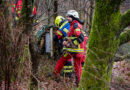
124, 37
125, 19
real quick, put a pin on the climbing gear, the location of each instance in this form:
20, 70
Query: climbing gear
74, 45
58, 20
73, 13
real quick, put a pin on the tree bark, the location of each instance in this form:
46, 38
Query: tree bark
55, 8
102, 46
27, 21
5, 71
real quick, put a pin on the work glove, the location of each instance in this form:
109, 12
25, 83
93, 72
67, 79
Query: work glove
66, 43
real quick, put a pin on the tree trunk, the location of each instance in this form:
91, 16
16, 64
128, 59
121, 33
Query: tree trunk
27, 20
102, 46
12, 51
55, 8
5, 71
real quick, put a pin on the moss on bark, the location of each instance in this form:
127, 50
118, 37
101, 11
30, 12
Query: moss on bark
125, 19
124, 37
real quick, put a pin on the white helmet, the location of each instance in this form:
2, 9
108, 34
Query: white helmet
72, 13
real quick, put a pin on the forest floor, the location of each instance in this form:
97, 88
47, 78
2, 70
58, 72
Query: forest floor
120, 77
46, 81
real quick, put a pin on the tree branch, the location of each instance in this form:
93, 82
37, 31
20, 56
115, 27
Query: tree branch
125, 20
124, 37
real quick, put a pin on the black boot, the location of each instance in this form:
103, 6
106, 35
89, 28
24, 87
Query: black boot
77, 81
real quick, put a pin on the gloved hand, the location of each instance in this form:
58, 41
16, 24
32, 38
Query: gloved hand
66, 43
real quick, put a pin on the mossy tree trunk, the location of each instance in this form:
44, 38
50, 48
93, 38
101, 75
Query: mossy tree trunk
27, 20
104, 39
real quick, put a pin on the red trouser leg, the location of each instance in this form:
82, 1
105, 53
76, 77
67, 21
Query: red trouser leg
78, 68
61, 63
69, 60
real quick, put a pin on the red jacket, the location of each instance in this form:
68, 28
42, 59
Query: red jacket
72, 29
74, 32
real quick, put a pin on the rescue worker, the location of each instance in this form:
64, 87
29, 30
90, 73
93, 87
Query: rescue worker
74, 45
63, 28
17, 9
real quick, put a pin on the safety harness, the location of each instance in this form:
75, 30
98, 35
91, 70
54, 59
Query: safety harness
74, 47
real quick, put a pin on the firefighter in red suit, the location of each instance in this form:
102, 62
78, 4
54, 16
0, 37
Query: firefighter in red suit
17, 7
74, 45
63, 28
